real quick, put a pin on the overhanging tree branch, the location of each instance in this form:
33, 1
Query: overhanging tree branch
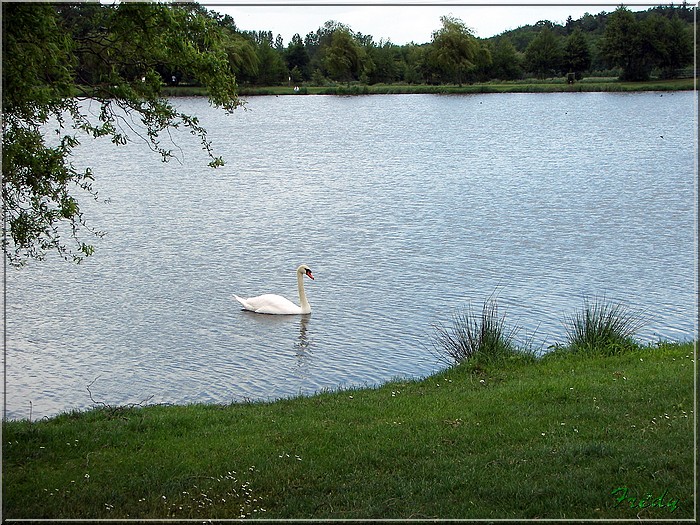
56, 57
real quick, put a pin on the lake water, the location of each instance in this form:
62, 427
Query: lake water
406, 208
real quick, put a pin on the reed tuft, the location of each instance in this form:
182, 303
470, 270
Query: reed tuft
475, 334
602, 327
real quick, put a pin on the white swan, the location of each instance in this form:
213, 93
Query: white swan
276, 304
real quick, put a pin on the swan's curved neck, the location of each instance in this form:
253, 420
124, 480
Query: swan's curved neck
303, 302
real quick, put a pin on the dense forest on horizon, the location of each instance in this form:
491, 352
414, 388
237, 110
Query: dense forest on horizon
629, 45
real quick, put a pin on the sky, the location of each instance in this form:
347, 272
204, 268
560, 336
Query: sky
406, 21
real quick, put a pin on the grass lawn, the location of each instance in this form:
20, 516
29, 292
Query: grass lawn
560, 437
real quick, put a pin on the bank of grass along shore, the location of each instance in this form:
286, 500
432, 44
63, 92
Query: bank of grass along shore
565, 436
597, 84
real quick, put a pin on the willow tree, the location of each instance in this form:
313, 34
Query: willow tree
56, 56
453, 49
343, 57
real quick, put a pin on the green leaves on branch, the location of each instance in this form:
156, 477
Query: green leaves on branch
61, 59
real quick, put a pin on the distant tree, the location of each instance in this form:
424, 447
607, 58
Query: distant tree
570, 25
271, 69
279, 44
453, 49
242, 57
297, 58
56, 56
506, 62
316, 43
387, 61
414, 63
544, 54
623, 45
343, 57
577, 54
368, 68
680, 46
483, 60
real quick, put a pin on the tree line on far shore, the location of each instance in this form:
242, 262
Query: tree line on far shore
630, 45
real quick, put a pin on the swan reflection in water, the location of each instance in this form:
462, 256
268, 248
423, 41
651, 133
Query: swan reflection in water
303, 345
303, 342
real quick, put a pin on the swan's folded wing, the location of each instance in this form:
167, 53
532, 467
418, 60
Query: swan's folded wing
269, 304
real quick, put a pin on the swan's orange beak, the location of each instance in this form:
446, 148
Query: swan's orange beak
308, 274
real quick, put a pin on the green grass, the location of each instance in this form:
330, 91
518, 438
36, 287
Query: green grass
601, 326
477, 336
545, 438
519, 86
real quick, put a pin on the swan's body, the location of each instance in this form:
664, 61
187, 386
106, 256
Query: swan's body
276, 304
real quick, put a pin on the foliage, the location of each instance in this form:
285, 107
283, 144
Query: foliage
601, 326
481, 335
454, 50
638, 46
577, 54
343, 58
506, 62
455, 56
58, 56
297, 58
544, 54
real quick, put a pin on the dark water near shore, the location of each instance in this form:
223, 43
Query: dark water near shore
406, 208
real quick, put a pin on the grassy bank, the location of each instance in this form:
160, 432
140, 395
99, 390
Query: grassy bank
523, 86
564, 436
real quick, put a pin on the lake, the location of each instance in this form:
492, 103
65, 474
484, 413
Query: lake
406, 207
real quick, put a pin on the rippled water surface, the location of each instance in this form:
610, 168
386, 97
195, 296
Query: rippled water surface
406, 208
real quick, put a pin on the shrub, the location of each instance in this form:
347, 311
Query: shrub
475, 335
602, 327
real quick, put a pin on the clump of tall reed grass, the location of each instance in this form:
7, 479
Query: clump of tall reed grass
474, 334
602, 327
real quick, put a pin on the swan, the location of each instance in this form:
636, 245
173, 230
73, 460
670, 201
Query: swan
276, 304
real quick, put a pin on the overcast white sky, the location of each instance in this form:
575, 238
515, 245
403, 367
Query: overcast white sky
403, 22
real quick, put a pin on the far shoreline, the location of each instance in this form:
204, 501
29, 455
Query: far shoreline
607, 85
